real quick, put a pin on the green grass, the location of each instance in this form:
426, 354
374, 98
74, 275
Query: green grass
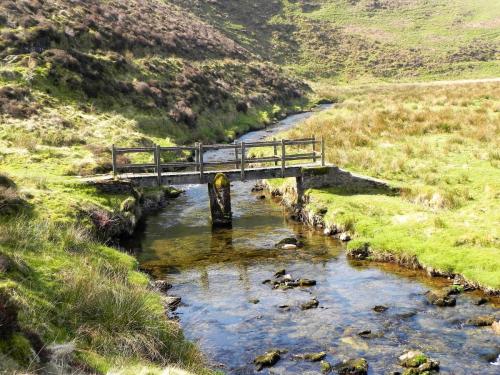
438, 145
355, 41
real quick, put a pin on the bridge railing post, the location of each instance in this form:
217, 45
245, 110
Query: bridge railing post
236, 165
113, 156
283, 157
323, 159
314, 149
243, 157
200, 164
157, 157
275, 147
197, 157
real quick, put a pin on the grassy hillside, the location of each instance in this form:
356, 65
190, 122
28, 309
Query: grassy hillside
75, 78
439, 146
359, 40
155, 64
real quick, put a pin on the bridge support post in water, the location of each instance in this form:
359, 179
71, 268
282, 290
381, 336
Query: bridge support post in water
219, 192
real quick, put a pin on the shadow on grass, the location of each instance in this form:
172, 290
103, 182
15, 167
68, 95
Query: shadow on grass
390, 191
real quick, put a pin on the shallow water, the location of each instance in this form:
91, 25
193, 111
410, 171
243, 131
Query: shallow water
218, 273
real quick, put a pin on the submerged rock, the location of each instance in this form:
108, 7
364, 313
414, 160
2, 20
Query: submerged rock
480, 301
289, 243
326, 367
312, 304
440, 298
268, 359
358, 366
254, 301
380, 308
311, 357
481, 321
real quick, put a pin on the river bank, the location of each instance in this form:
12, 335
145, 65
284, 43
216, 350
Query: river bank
437, 147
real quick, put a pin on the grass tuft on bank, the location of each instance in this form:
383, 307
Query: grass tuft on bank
439, 146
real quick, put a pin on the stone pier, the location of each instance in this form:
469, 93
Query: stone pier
219, 192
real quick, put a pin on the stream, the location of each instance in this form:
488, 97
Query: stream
220, 275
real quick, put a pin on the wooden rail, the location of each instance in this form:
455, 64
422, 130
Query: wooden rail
192, 157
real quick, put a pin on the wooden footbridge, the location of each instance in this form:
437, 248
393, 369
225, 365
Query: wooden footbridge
217, 166
190, 164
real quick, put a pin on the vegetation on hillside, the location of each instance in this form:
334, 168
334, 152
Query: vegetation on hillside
79, 76
360, 40
169, 72
75, 78
439, 146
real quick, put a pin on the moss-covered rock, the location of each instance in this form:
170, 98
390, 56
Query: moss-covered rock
267, 359
358, 366
481, 321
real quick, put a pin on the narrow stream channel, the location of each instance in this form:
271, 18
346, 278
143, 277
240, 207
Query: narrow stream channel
220, 274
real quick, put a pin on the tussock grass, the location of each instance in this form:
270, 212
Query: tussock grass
439, 145
70, 288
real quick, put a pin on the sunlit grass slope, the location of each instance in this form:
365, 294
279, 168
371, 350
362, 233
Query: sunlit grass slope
440, 147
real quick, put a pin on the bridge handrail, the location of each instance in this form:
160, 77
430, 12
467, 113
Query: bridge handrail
240, 161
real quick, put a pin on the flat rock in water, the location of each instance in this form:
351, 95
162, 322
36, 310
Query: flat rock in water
311, 357
312, 304
289, 247
481, 321
268, 359
440, 298
306, 282
358, 366
254, 301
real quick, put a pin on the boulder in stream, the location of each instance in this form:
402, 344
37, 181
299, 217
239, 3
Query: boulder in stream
268, 359
417, 362
440, 298
481, 321
358, 366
